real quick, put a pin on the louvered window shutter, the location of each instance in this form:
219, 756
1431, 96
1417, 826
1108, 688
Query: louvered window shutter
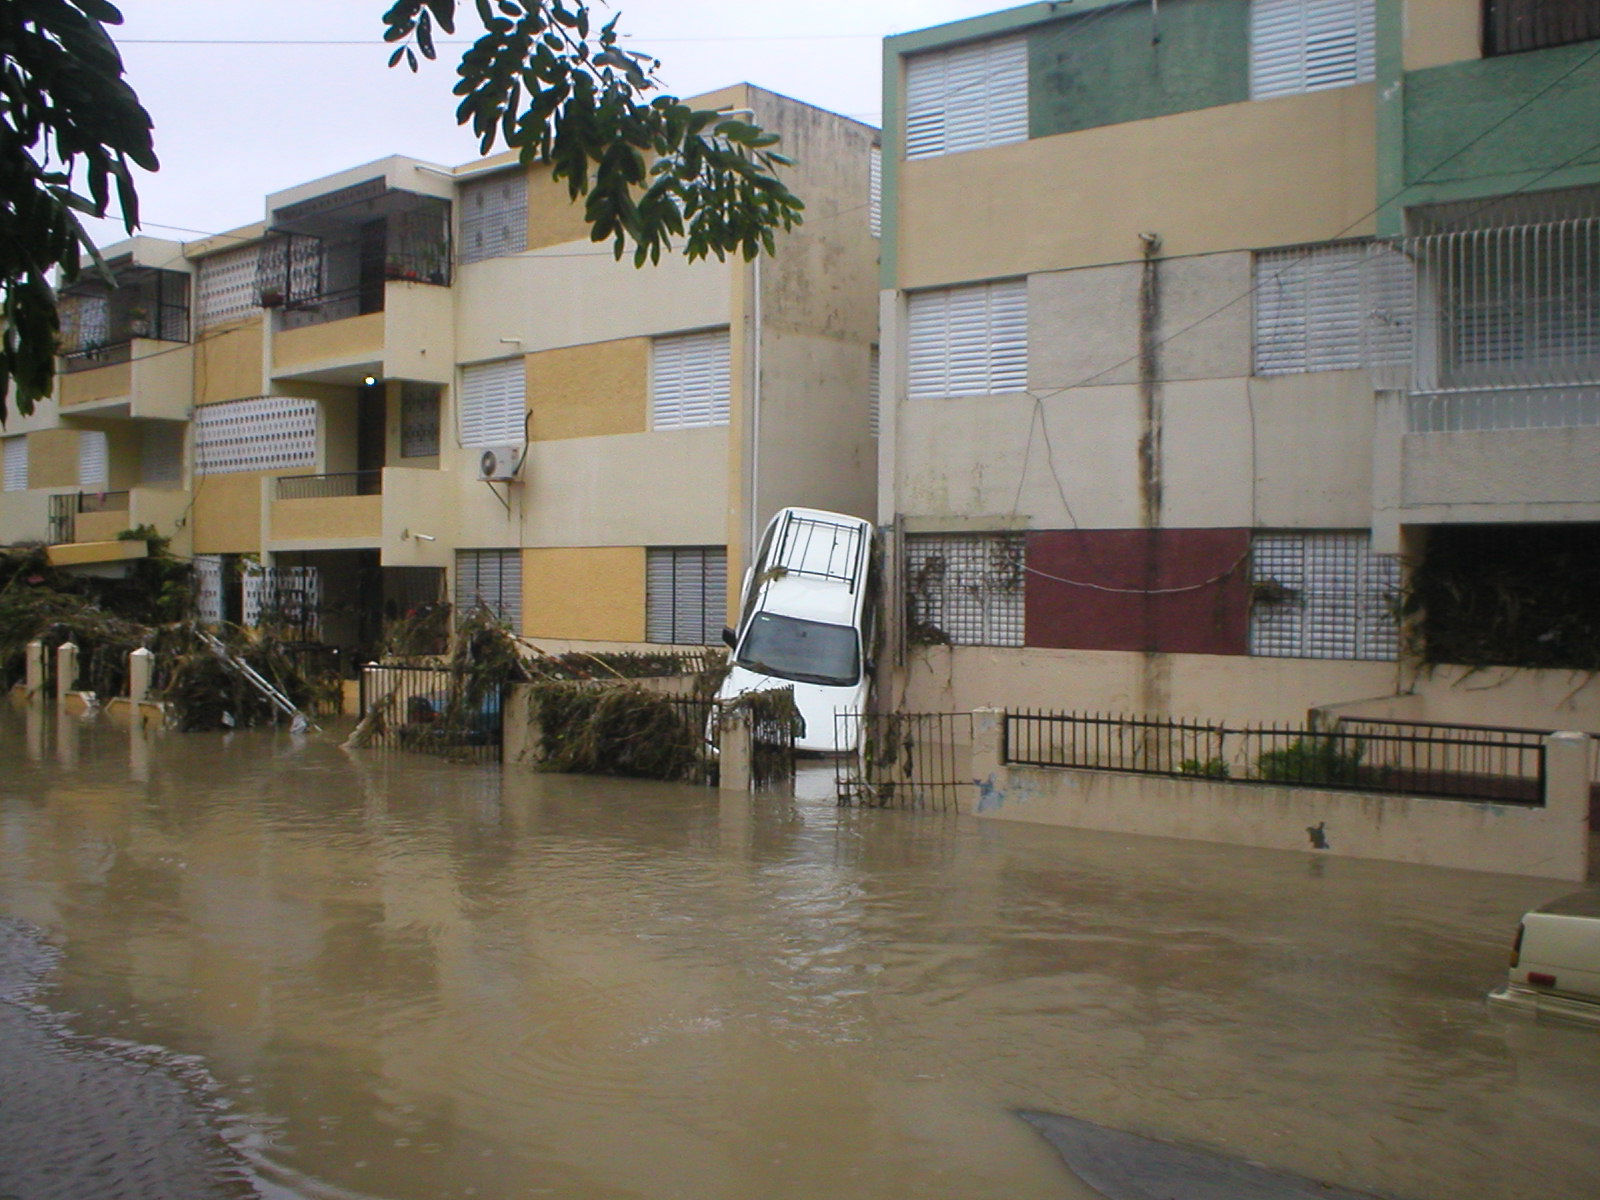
161, 454
686, 591
492, 404
967, 341
1330, 308
690, 381
16, 463
493, 579
1322, 595
1308, 45
93, 460
967, 97
875, 191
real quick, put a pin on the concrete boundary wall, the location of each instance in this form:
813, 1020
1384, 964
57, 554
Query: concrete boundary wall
1551, 841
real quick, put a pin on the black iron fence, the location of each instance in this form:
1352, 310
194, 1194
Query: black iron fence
322, 487
432, 710
905, 760
1506, 766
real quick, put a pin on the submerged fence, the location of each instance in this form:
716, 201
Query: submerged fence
905, 760
433, 710
1503, 765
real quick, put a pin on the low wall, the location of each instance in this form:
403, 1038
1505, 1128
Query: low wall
1551, 841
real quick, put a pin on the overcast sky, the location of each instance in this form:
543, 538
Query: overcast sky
251, 97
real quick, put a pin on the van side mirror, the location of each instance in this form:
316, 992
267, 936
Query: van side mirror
729, 637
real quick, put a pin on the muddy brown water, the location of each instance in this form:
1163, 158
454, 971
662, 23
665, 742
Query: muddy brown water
405, 978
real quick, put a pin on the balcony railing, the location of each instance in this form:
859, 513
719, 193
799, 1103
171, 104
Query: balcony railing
65, 507
326, 487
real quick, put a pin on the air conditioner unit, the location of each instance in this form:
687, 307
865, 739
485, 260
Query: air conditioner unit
498, 464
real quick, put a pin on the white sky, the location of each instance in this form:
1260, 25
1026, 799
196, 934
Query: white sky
234, 122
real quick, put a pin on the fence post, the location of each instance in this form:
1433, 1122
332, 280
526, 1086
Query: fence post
989, 770
735, 746
141, 665
1566, 800
35, 661
66, 671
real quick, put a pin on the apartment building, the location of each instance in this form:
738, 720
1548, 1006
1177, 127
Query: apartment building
410, 383
1240, 358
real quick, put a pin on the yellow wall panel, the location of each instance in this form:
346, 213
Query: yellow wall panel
351, 338
227, 363
100, 383
53, 458
227, 513
585, 593
553, 217
589, 391
331, 517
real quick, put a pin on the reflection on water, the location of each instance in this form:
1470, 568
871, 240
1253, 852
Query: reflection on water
418, 980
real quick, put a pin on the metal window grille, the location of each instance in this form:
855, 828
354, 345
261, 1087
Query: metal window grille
225, 287
1510, 26
966, 588
494, 216
419, 420
1508, 326
490, 579
967, 97
690, 381
967, 341
1322, 595
161, 452
16, 463
686, 595
94, 465
265, 434
1308, 45
283, 597
493, 404
208, 588
1334, 307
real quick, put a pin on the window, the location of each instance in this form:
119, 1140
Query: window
266, 434
686, 595
1322, 595
490, 579
419, 420
875, 191
225, 287
93, 464
16, 463
874, 392
1328, 308
1308, 45
965, 589
1513, 25
494, 216
690, 383
967, 97
493, 407
161, 452
967, 341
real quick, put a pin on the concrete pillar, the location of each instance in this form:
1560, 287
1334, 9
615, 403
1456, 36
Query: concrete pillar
988, 757
1566, 800
141, 667
735, 745
66, 670
34, 661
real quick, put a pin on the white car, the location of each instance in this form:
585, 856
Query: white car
806, 621
1555, 962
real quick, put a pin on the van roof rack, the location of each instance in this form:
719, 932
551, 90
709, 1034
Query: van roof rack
814, 545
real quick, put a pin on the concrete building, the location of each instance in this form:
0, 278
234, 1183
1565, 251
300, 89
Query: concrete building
410, 383
1240, 359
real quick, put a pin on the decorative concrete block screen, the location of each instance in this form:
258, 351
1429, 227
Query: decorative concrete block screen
225, 287
265, 434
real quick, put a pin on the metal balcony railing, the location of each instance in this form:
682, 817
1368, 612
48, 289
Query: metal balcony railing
325, 487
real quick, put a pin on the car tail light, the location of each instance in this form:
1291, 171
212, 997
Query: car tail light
1541, 979
1516, 946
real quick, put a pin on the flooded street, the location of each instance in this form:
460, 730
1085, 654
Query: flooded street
403, 978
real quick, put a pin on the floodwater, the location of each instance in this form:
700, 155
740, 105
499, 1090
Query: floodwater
400, 977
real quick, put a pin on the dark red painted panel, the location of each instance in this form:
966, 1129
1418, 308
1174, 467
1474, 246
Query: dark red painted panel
1146, 615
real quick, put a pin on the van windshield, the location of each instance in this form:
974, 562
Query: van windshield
805, 651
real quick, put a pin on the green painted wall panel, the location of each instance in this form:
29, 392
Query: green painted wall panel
1485, 120
1102, 68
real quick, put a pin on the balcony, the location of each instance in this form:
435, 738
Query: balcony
354, 510
125, 346
85, 528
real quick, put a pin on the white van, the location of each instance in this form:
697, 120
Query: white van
806, 620
1555, 962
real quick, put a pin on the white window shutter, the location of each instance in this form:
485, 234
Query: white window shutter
16, 463
94, 466
967, 341
690, 380
686, 590
1331, 308
967, 97
492, 406
492, 579
1308, 45
875, 191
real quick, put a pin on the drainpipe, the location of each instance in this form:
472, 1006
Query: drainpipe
1155, 682
755, 411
